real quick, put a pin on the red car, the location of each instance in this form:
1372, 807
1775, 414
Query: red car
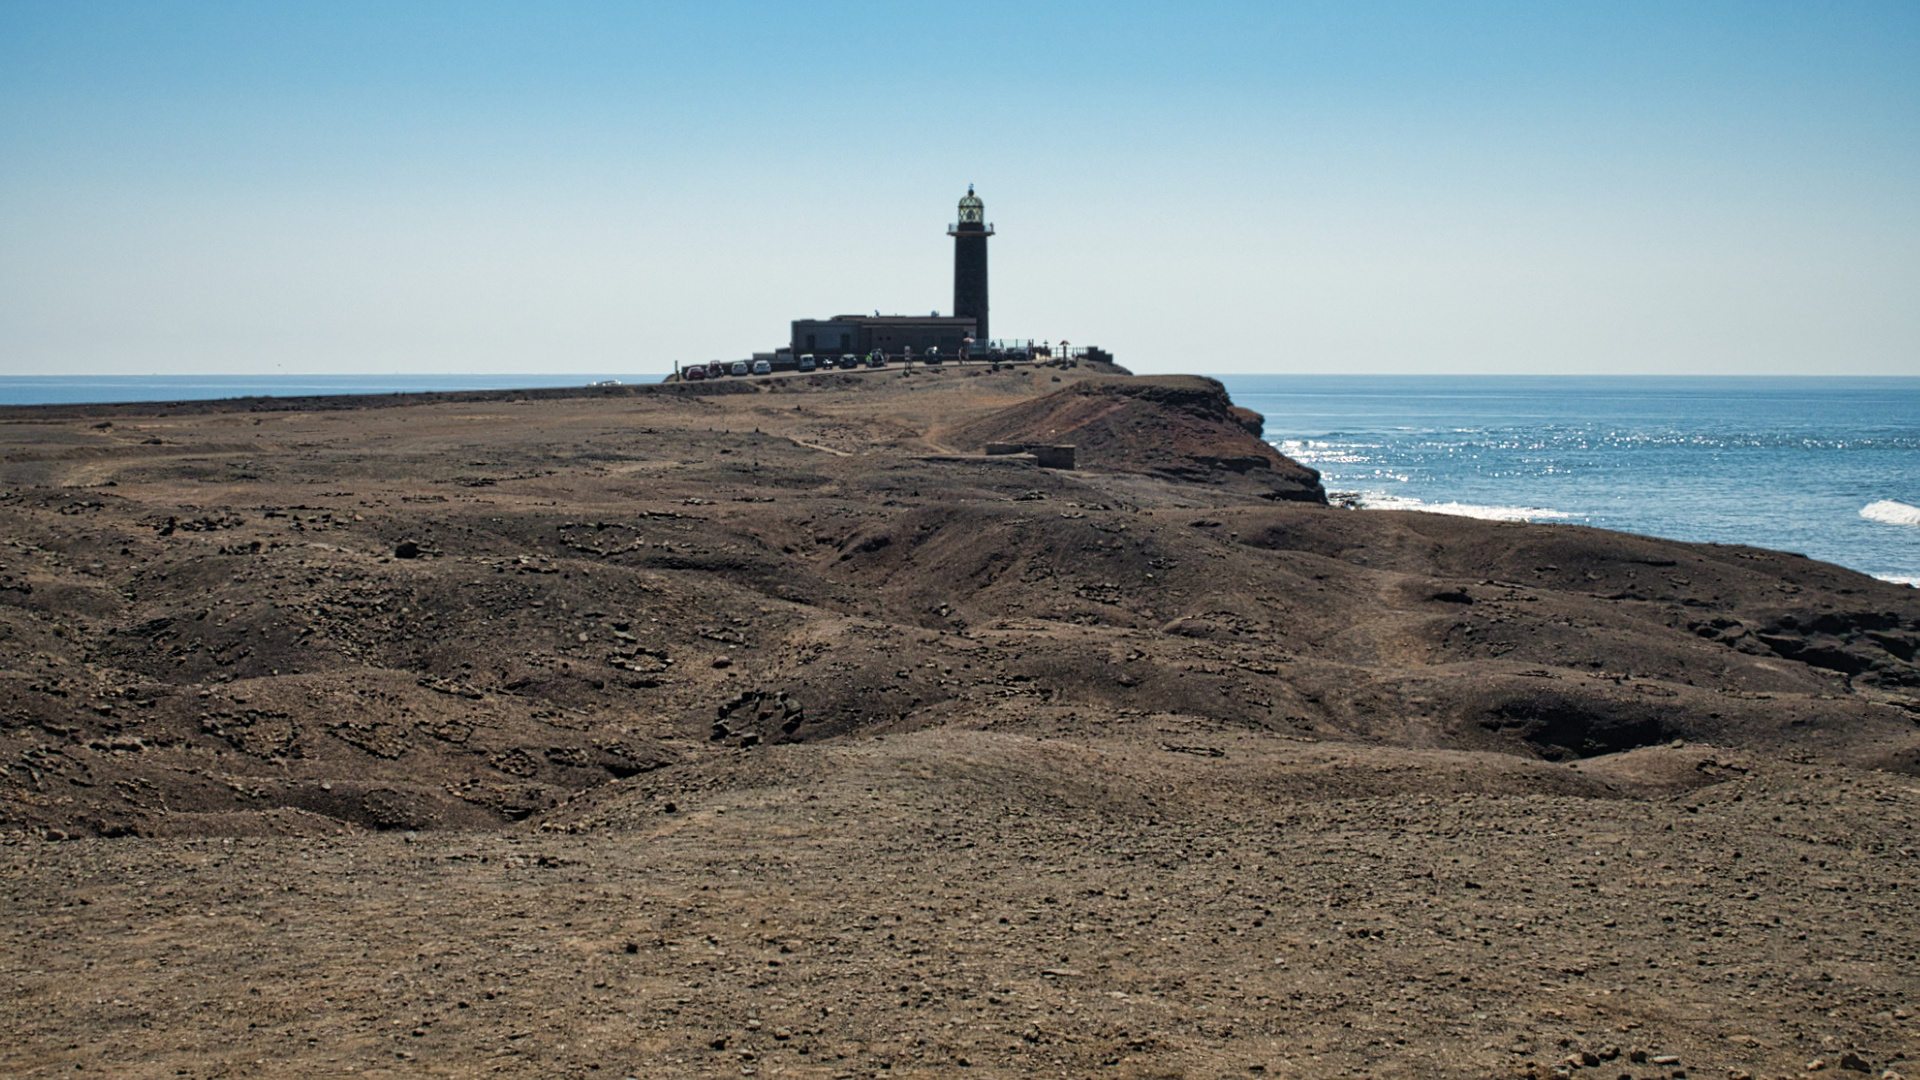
696, 373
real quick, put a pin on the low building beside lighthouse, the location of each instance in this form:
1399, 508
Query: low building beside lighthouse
894, 334
966, 327
890, 334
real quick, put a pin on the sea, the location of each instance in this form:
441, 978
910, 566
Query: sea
1826, 467
75, 389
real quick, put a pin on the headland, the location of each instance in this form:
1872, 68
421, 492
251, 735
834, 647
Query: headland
775, 726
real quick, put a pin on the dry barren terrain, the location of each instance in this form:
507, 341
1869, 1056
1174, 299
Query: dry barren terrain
772, 728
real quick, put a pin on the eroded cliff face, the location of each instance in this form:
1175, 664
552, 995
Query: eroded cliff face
1181, 427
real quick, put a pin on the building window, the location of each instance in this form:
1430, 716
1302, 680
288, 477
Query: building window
809, 341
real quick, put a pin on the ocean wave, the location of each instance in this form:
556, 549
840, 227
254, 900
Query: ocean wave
1909, 582
1325, 452
1378, 500
1891, 513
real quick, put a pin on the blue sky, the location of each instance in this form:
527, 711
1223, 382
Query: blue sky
1688, 188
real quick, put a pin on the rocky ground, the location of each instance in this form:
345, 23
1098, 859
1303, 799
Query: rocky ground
769, 728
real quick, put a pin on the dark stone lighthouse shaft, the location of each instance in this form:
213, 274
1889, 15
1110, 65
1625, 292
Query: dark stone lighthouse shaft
970, 264
970, 279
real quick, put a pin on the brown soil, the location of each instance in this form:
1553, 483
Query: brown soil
759, 728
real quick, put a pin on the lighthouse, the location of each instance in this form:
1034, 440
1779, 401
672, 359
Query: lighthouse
970, 263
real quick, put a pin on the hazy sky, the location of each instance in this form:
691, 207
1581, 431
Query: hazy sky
1662, 187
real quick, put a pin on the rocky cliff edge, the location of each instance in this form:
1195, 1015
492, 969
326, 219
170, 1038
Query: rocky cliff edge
1182, 427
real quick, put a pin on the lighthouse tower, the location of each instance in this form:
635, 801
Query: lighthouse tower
970, 263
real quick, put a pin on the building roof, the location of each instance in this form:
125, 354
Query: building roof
895, 319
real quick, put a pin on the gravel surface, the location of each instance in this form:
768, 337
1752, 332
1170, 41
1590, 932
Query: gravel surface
766, 729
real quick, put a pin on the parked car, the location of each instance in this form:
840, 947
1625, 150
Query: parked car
849, 361
933, 356
715, 369
877, 360
694, 374
739, 367
762, 367
807, 362
1017, 355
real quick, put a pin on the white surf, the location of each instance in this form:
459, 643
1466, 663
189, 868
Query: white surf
1891, 512
1375, 500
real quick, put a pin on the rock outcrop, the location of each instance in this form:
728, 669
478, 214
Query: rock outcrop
1182, 427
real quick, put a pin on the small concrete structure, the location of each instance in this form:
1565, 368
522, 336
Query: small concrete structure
1049, 457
